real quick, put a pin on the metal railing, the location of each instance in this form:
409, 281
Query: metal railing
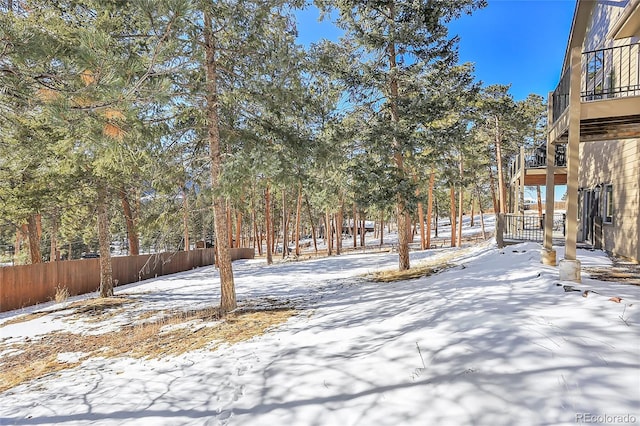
611, 73
607, 73
521, 227
537, 158
561, 96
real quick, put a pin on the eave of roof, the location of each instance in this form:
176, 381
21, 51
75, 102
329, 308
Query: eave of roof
579, 25
628, 24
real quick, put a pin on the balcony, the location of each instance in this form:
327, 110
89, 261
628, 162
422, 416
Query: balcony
535, 166
609, 96
537, 158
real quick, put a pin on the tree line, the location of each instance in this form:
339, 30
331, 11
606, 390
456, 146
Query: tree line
173, 121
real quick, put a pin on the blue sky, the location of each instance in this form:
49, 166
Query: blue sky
517, 42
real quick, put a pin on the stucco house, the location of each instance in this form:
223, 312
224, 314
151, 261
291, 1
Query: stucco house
594, 122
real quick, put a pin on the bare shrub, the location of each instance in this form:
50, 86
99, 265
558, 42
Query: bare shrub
62, 294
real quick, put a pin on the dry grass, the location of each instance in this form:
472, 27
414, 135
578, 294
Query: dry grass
99, 309
150, 314
62, 294
410, 274
606, 274
173, 334
99, 304
423, 269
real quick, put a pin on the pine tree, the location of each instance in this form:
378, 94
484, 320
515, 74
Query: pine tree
242, 44
500, 126
96, 70
394, 43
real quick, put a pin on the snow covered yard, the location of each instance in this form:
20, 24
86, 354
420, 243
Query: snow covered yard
495, 340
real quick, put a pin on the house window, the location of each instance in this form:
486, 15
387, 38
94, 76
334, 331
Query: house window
608, 204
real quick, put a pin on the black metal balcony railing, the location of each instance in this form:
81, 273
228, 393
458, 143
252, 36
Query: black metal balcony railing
607, 73
611, 72
520, 227
537, 158
561, 96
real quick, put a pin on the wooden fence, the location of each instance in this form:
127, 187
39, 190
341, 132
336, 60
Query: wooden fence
28, 285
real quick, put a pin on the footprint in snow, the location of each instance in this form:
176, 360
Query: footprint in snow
224, 417
238, 393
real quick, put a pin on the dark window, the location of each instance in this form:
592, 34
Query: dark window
608, 204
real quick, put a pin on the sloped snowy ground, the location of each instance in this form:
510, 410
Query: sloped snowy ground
493, 341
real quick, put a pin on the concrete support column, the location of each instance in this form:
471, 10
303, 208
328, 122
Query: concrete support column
570, 264
523, 174
516, 183
548, 254
519, 199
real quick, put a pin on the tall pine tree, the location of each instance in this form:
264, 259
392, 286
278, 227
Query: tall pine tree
396, 42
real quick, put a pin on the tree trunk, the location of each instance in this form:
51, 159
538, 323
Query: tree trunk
411, 226
334, 226
34, 239
432, 178
54, 254
363, 231
227, 286
473, 205
257, 238
403, 231
185, 219
338, 220
501, 186
313, 226
461, 201
298, 214
355, 226
423, 241
132, 231
435, 201
285, 243
403, 214
238, 228
453, 216
484, 235
381, 229
269, 228
20, 233
492, 185
274, 237
229, 223
328, 234
104, 239
204, 227
460, 214
539, 200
